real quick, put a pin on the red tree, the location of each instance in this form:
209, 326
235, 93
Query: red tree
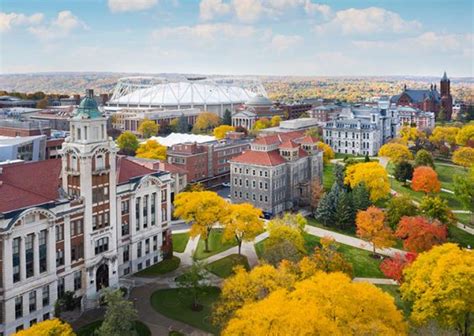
425, 179
419, 234
393, 267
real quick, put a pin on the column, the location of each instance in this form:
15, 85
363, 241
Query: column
51, 250
67, 242
22, 259
36, 254
140, 209
148, 210
132, 215
7, 262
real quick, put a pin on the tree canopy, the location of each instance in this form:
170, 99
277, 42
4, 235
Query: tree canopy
205, 122
221, 131
464, 156
373, 175
425, 179
328, 153
371, 226
151, 149
128, 143
396, 152
148, 128
53, 327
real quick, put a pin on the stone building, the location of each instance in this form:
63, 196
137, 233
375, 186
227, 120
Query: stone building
276, 172
361, 130
79, 223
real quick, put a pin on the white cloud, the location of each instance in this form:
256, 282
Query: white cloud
7, 21
248, 10
208, 9
367, 21
59, 27
205, 31
130, 5
283, 42
315, 8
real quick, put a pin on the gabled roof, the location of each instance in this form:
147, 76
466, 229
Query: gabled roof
279, 138
127, 169
418, 96
27, 184
271, 158
288, 145
308, 140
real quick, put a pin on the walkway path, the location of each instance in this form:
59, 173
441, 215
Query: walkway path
351, 241
376, 281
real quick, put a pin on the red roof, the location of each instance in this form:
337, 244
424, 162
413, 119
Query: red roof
308, 140
267, 140
27, 184
272, 158
279, 138
127, 169
288, 145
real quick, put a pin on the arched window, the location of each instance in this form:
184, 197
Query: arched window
73, 162
100, 162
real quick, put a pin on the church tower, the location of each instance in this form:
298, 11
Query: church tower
446, 98
89, 175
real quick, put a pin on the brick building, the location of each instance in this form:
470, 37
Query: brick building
17, 128
416, 117
79, 223
208, 162
275, 174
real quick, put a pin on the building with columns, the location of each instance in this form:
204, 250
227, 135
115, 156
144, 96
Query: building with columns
79, 223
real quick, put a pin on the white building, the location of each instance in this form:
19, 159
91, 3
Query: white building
361, 130
29, 148
79, 223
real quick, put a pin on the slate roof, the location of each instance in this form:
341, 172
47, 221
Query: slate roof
418, 96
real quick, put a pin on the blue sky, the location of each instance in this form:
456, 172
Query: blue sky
262, 37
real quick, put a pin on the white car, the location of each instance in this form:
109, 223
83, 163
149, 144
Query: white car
226, 184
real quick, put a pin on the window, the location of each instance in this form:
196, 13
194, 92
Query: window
77, 280
147, 246
59, 232
29, 255
59, 258
139, 250
60, 287
101, 245
164, 214
152, 210
137, 213
106, 219
77, 227
94, 222
16, 259
145, 211
45, 295
99, 162
164, 194
126, 253
18, 307
77, 252
32, 305
155, 243
125, 207
125, 228
46, 317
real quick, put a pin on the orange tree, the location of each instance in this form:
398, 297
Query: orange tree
419, 234
425, 179
371, 226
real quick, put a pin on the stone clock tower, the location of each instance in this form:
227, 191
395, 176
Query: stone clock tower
89, 174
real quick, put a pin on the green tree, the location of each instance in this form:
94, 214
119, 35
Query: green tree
339, 172
194, 282
441, 115
279, 251
424, 158
128, 143
361, 197
326, 210
398, 207
119, 315
227, 118
464, 191
345, 214
183, 126
436, 208
403, 171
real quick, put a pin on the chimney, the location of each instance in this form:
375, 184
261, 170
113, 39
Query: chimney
90, 93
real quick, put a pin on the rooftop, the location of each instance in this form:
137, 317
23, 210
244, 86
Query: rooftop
178, 138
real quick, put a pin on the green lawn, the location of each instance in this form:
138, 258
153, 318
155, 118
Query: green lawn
362, 262
456, 235
180, 240
314, 222
394, 291
89, 329
223, 267
216, 245
328, 176
175, 304
162, 267
464, 218
446, 174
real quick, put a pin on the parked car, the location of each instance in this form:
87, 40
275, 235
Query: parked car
226, 184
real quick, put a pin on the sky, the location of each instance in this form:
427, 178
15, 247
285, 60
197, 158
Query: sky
239, 37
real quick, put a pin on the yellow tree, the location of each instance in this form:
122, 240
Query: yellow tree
205, 122
443, 135
396, 152
148, 128
464, 156
328, 153
373, 175
465, 135
261, 124
53, 327
325, 304
275, 121
245, 287
440, 284
151, 149
242, 223
221, 131
371, 226
201, 208
408, 133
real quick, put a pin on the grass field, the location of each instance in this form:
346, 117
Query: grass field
456, 235
89, 330
395, 292
328, 176
160, 268
180, 240
176, 304
216, 245
223, 267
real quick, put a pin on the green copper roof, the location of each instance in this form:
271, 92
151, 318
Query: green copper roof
88, 108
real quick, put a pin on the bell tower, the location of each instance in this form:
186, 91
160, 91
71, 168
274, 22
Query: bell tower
89, 175
446, 98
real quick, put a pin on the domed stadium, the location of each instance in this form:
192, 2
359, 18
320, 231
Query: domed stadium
207, 94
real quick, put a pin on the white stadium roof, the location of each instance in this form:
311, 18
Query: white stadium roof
177, 138
150, 91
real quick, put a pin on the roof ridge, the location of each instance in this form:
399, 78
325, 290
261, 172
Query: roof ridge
23, 189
